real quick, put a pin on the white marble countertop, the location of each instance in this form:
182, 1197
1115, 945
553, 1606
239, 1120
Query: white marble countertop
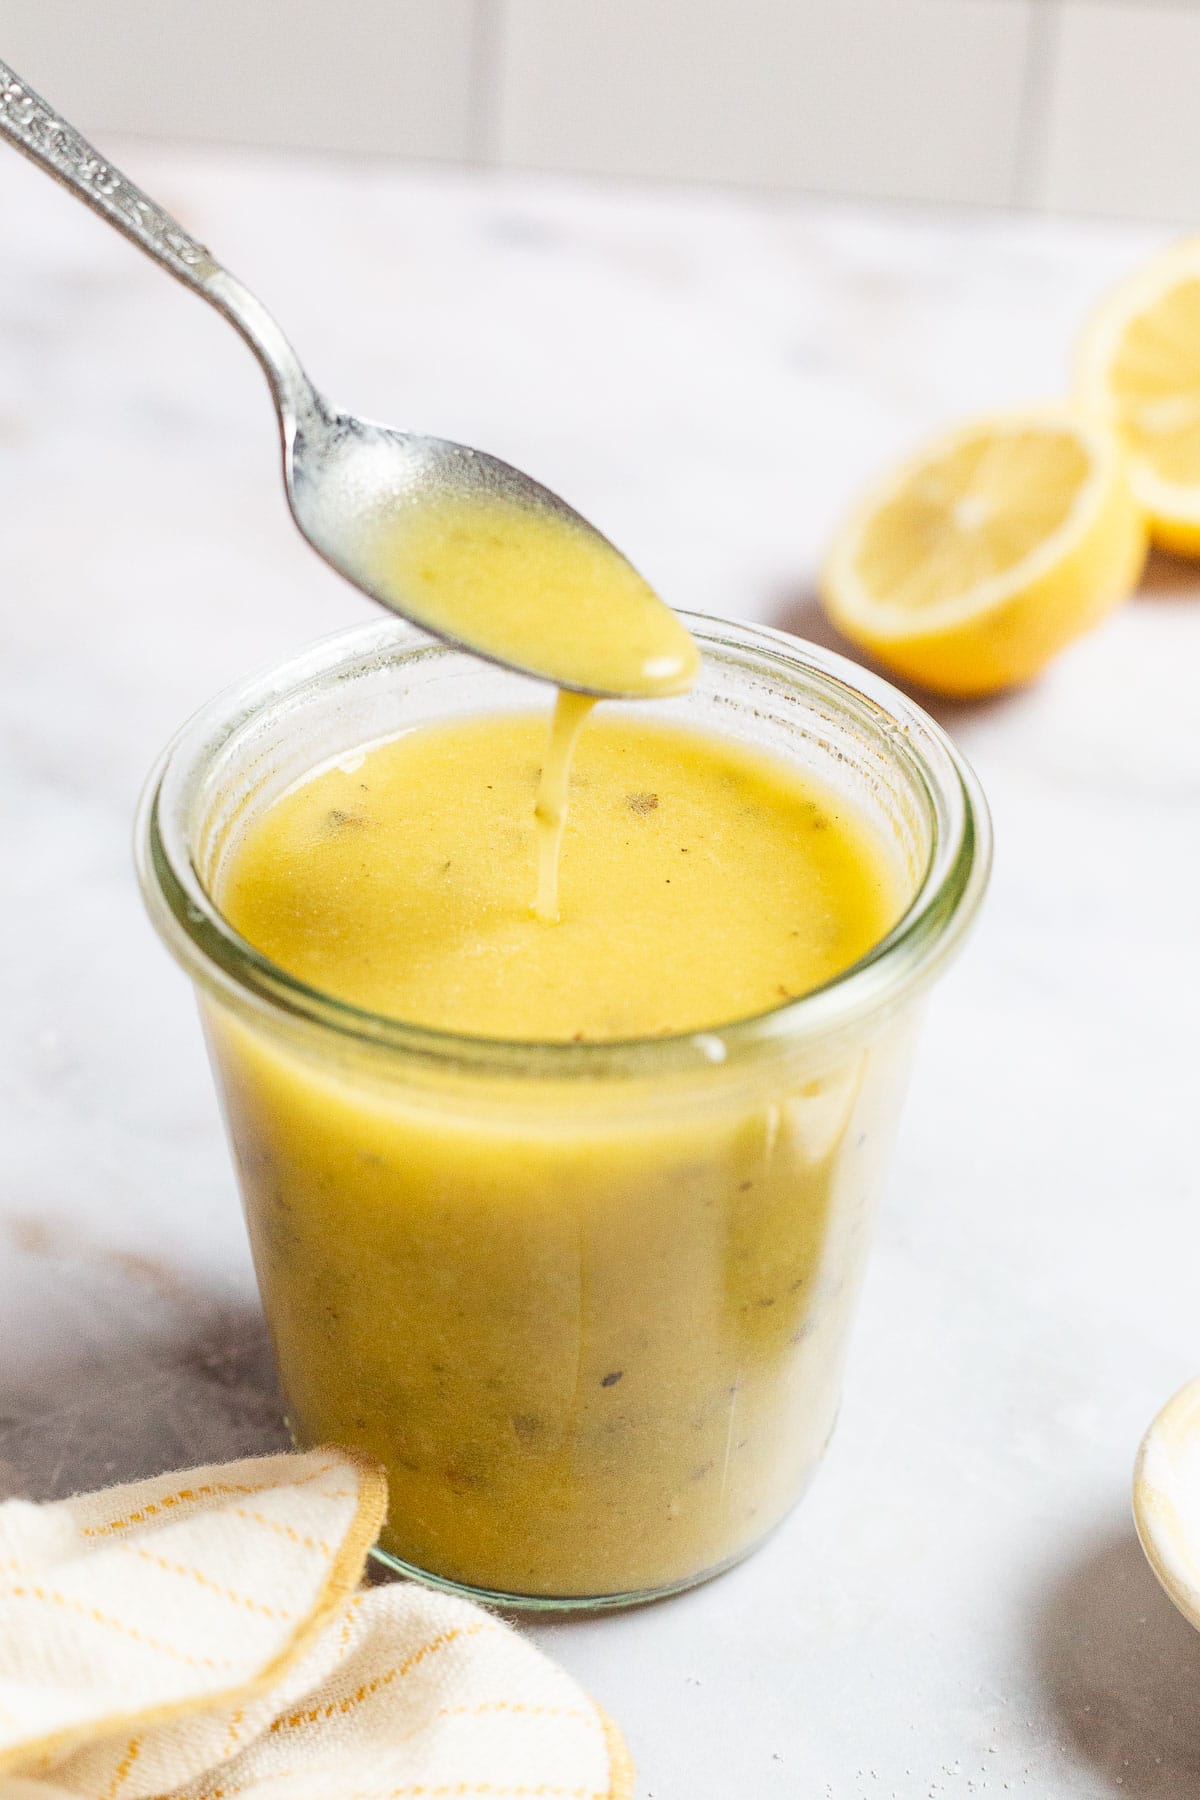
960, 1606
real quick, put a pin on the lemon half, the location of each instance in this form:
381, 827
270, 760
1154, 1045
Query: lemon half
1166, 1499
969, 566
1138, 369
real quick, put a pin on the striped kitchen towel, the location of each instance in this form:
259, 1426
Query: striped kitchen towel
201, 1636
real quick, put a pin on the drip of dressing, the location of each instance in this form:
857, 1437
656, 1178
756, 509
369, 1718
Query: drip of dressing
550, 814
536, 588
406, 888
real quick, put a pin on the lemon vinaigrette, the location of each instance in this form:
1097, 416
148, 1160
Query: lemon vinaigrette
570, 715
563, 1222
701, 882
531, 588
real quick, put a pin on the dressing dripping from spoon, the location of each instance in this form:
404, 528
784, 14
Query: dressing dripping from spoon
455, 540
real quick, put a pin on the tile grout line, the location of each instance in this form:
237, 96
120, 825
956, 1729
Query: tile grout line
1034, 106
483, 83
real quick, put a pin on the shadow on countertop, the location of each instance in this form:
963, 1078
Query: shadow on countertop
1121, 1670
1169, 577
206, 1393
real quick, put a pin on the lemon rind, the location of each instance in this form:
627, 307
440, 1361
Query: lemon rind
1169, 1548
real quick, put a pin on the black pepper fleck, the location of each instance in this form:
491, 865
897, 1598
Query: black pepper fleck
338, 819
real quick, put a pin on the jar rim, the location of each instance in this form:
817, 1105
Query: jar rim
918, 945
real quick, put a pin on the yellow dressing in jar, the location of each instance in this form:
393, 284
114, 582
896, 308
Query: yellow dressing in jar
701, 882
596, 1343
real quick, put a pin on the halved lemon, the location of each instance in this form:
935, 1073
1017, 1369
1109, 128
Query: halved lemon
1138, 368
968, 567
1166, 1499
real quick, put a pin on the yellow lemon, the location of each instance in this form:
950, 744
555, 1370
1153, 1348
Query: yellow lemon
1166, 1499
1138, 368
969, 566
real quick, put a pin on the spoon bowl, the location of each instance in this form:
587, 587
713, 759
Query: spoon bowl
482, 555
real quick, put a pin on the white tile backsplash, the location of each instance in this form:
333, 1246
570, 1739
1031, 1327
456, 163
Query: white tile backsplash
1071, 105
1123, 126
910, 98
390, 76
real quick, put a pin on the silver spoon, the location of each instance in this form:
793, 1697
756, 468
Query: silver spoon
347, 479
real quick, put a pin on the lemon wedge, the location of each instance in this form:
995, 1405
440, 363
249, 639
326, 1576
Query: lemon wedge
971, 564
1138, 368
1166, 1499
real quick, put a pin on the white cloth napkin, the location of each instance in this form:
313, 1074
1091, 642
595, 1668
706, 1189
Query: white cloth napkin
199, 1636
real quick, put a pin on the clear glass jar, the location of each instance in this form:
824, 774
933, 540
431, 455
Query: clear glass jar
587, 1303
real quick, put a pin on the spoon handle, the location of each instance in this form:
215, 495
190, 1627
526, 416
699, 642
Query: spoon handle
47, 139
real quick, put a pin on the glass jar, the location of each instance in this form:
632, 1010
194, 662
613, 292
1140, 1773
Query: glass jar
587, 1303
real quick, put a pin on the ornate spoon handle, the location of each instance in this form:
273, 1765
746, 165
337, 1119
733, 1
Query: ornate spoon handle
41, 134
37, 130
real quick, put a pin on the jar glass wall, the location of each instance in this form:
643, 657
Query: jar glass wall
588, 1303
